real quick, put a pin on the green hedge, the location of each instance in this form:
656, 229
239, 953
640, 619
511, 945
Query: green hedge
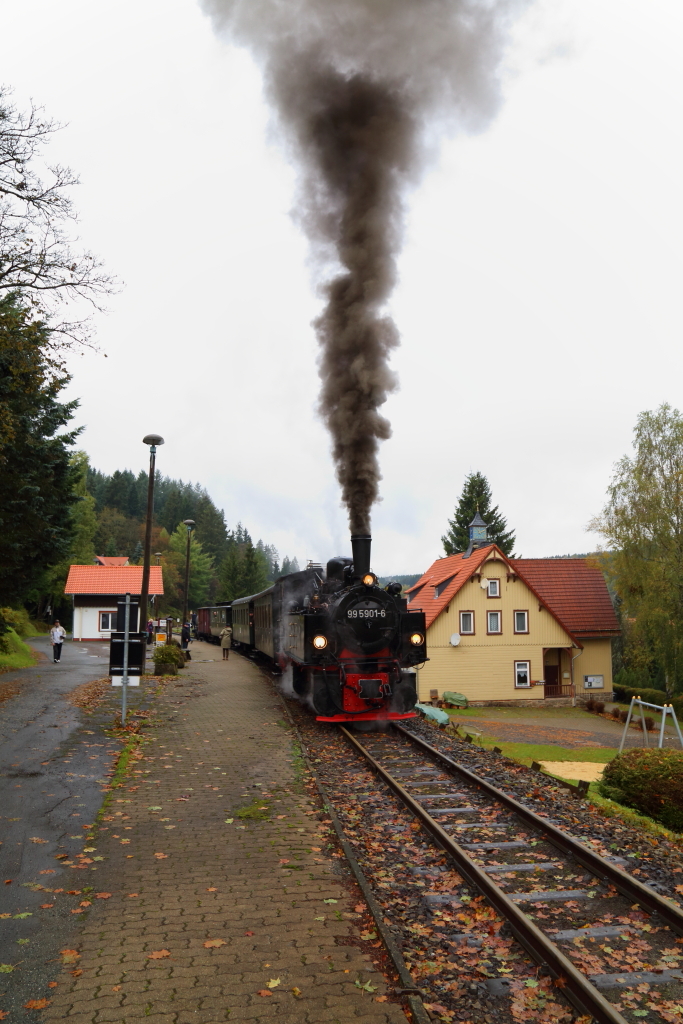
169, 654
650, 781
624, 693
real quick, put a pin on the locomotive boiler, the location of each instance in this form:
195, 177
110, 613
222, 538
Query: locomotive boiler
351, 646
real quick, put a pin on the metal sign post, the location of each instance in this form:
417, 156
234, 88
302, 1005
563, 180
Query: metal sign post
124, 678
127, 652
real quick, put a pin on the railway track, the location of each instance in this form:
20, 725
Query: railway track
525, 865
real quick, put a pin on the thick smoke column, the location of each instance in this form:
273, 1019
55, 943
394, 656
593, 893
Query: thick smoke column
362, 89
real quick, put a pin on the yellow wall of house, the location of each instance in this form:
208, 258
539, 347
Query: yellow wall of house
595, 659
482, 666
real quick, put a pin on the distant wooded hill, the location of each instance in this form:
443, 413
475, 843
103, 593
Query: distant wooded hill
405, 581
225, 562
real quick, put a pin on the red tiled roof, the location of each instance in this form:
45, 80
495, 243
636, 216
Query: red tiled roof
456, 566
574, 590
112, 559
112, 579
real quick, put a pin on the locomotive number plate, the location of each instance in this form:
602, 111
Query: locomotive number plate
366, 613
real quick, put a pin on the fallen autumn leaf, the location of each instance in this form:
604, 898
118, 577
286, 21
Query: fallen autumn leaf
213, 943
158, 954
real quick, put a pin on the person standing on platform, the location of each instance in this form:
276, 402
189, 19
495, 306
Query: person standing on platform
185, 638
57, 634
226, 641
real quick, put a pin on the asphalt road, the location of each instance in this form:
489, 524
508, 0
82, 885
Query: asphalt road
51, 759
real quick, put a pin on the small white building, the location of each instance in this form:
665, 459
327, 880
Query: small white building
96, 591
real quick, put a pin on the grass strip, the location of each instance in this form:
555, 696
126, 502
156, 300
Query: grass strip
611, 809
526, 753
120, 775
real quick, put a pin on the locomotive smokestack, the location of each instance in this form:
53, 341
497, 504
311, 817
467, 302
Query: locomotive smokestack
360, 548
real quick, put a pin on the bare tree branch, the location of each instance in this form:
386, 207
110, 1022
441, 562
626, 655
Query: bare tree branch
39, 256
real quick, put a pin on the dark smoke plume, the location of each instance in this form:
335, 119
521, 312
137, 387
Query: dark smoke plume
362, 88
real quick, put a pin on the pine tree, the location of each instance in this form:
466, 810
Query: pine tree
230, 575
84, 525
211, 528
37, 490
83, 515
254, 571
201, 565
476, 496
289, 566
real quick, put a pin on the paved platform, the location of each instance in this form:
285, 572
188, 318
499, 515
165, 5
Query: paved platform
206, 921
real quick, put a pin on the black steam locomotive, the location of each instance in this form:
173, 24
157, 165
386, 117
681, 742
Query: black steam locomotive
351, 646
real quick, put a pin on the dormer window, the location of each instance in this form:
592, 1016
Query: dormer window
493, 588
413, 594
439, 589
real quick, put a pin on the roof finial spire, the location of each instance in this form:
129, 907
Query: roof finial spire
479, 534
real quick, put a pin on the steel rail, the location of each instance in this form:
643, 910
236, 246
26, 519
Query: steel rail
580, 992
624, 883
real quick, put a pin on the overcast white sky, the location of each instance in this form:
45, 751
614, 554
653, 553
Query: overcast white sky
540, 293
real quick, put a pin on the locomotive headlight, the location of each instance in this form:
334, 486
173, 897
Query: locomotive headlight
369, 579
417, 639
320, 642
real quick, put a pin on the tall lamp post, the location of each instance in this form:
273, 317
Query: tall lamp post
189, 523
153, 440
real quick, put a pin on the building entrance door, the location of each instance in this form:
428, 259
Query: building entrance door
552, 681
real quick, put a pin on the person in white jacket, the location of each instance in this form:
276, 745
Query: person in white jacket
57, 634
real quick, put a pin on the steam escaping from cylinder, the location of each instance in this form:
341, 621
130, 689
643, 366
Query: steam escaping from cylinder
362, 89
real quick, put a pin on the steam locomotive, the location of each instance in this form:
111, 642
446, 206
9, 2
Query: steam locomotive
351, 647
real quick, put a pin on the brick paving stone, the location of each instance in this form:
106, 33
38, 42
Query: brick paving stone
217, 743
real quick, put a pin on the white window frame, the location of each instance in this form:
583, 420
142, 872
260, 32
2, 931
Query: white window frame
494, 632
527, 685
493, 583
107, 629
463, 631
521, 611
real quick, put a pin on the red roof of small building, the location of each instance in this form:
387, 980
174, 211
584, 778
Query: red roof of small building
112, 559
575, 590
112, 579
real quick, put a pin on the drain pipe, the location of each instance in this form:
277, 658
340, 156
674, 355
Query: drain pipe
573, 683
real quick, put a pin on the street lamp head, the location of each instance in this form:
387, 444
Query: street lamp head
189, 523
153, 439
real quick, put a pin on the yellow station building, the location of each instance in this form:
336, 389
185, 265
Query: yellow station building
515, 631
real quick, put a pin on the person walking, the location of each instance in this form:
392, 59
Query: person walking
226, 641
57, 634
